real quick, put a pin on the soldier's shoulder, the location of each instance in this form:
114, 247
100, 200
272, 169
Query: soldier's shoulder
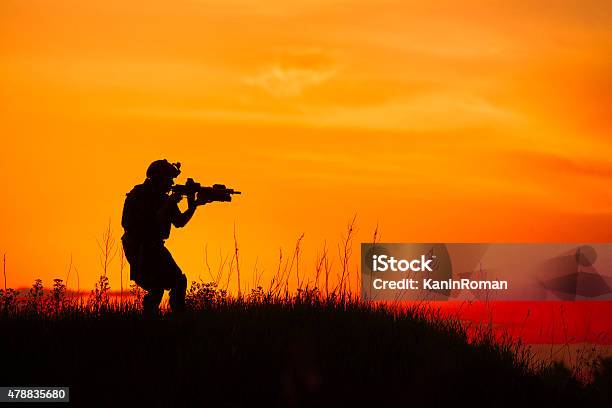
138, 190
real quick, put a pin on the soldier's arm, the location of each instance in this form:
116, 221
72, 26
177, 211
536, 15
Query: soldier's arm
180, 219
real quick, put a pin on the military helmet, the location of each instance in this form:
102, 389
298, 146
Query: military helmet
163, 168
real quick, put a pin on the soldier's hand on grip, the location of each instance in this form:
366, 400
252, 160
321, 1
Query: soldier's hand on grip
176, 197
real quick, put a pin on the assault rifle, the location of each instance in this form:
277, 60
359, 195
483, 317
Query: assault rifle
218, 192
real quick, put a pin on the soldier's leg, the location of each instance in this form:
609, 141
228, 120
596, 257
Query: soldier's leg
150, 268
151, 301
177, 294
175, 280
133, 251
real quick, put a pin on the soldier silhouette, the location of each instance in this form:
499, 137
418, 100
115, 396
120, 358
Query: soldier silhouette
149, 212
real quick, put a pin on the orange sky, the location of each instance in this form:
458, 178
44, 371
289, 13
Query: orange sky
444, 122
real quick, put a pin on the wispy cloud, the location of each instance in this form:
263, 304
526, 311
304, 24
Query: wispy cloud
294, 71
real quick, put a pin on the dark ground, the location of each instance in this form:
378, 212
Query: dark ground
279, 354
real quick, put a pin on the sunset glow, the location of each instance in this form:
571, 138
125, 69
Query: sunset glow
449, 122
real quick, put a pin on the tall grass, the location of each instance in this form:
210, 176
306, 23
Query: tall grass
283, 349
316, 343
